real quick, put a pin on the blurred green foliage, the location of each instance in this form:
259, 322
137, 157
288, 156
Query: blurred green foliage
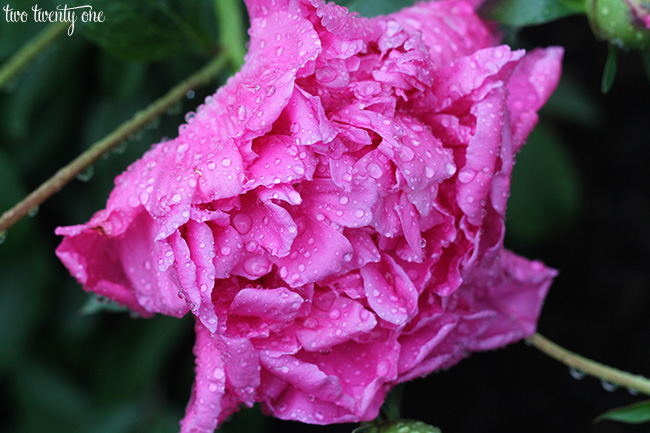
637, 413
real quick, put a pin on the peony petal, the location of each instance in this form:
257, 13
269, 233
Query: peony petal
342, 321
390, 292
316, 253
531, 84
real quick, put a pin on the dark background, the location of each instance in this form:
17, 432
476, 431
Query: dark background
579, 202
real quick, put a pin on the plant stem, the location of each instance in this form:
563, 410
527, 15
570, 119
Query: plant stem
83, 161
231, 32
593, 368
29, 51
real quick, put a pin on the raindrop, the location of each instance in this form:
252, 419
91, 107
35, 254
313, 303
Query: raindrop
406, 154
466, 175
270, 90
190, 94
154, 124
450, 168
174, 109
242, 223
3, 237
311, 323
326, 74
120, 148
608, 386
632, 391
87, 174
241, 112
577, 374
374, 170
33, 212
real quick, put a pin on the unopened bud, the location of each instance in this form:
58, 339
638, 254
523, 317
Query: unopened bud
624, 23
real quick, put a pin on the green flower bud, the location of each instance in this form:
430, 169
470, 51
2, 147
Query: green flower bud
621, 22
407, 426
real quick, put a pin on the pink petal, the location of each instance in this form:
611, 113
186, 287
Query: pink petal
343, 320
316, 253
530, 85
389, 291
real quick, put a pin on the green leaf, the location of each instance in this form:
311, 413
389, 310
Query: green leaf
546, 193
393, 402
96, 304
407, 426
521, 13
611, 66
231, 29
372, 8
634, 414
148, 30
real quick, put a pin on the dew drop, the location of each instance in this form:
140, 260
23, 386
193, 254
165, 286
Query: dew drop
466, 175
608, 386
577, 374
406, 154
241, 112
87, 174
311, 323
326, 74
242, 223
450, 168
374, 170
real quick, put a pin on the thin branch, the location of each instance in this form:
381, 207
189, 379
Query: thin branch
29, 51
593, 368
83, 161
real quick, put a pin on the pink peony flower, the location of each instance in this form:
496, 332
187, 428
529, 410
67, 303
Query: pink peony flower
334, 215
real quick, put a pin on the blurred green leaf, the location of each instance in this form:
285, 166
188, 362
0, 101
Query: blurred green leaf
392, 407
521, 13
96, 304
147, 345
545, 189
611, 67
148, 30
49, 399
634, 414
372, 8
573, 102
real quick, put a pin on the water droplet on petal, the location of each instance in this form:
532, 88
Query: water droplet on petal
450, 168
466, 175
374, 170
241, 112
242, 223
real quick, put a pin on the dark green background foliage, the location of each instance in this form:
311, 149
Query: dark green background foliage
578, 202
